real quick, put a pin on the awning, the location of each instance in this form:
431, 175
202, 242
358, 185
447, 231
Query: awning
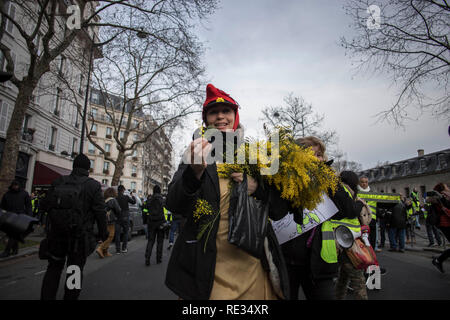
45, 173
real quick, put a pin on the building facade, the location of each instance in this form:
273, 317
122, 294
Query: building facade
422, 172
145, 166
52, 125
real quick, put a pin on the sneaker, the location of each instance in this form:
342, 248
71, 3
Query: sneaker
437, 264
378, 250
117, 251
124, 250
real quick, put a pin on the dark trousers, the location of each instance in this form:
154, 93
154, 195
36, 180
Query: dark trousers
373, 233
121, 226
12, 247
431, 229
154, 233
313, 289
53, 275
446, 254
383, 230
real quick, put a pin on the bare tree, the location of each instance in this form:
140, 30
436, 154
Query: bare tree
300, 117
50, 17
408, 39
158, 82
340, 163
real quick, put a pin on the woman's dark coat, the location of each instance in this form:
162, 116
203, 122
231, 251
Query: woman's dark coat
190, 273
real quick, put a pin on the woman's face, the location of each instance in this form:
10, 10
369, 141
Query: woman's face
220, 117
318, 153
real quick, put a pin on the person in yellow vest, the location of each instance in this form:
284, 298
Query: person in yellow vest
409, 221
415, 201
374, 226
348, 274
311, 258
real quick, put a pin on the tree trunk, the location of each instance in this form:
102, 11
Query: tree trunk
120, 163
14, 133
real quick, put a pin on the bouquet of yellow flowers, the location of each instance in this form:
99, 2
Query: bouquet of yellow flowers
301, 178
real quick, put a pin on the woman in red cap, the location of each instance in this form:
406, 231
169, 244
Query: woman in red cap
210, 267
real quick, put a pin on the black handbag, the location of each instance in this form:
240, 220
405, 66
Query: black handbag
248, 220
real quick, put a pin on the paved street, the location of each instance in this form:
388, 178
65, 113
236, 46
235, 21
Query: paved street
122, 277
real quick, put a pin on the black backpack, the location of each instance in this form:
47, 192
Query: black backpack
66, 215
155, 208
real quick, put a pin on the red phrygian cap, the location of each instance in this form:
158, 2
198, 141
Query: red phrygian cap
215, 96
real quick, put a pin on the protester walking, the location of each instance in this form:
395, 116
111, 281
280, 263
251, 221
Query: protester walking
397, 227
155, 220
441, 205
431, 225
73, 203
208, 266
113, 214
18, 201
123, 224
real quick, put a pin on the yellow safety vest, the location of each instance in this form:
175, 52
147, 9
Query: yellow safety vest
166, 214
372, 199
328, 252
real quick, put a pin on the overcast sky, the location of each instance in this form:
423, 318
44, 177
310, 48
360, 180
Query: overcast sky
258, 51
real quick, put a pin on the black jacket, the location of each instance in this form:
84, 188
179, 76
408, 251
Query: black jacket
398, 216
17, 202
94, 208
123, 201
155, 207
296, 252
116, 211
190, 273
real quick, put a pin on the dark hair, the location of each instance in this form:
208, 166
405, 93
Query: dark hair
350, 178
121, 188
439, 187
156, 189
110, 193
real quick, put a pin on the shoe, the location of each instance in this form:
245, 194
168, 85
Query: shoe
430, 245
401, 250
4, 255
437, 264
118, 252
147, 262
170, 246
418, 228
383, 271
107, 254
100, 253
124, 250
378, 250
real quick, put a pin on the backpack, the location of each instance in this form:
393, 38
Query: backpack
109, 212
155, 209
66, 213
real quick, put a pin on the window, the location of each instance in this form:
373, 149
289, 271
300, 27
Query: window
105, 182
3, 115
133, 169
80, 89
136, 123
107, 147
61, 65
52, 144
136, 137
11, 11
94, 128
109, 131
393, 190
105, 166
407, 192
94, 97
92, 164
94, 112
122, 134
133, 185
74, 145
77, 124
134, 153
58, 101
91, 148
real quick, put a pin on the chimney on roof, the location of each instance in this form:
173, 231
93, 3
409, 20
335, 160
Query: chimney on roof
420, 153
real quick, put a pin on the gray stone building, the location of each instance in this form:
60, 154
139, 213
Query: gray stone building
422, 172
